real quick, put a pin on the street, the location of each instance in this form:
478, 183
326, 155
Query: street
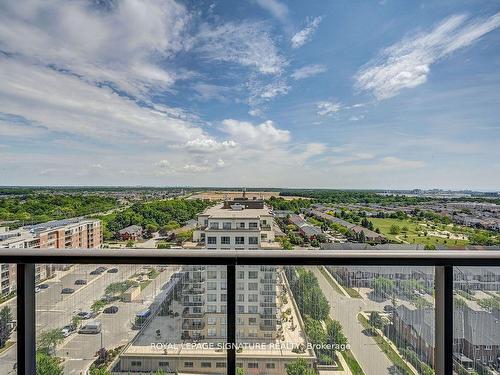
345, 310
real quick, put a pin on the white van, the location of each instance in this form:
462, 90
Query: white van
91, 328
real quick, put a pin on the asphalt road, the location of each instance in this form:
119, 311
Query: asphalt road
345, 310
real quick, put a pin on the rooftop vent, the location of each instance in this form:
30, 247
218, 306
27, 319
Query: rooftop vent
237, 207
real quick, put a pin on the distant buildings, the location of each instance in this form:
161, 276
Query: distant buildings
130, 233
306, 229
57, 234
369, 235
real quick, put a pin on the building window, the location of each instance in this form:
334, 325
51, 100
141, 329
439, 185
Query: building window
223, 285
241, 274
252, 321
253, 225
253, 286
253, 365
212, 240
240, 286
226, 225
241, 298
212, 308
253, 240
211, 321
212, 332
252, 309
241, 309
136, 363
252, 297
253, 274
240, 240
220, 364
212, 285
211, 274
270, 365
241, 225
223, 274
223, 297
211, 297
214, 225
225, 240
188, 364
163, 364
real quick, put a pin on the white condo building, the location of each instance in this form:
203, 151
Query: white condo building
240, 224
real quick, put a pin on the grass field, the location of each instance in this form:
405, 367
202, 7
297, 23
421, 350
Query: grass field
352, 292
412, 236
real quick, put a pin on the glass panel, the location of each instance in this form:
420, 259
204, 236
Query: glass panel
129, 318
371, 320
476, 320
8, 320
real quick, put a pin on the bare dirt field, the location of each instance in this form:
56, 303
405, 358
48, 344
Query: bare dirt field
220, 195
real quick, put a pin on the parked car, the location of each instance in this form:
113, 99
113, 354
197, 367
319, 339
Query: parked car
43, 286
95, 272
90, 328
67, 330
389, 308
85, 315
102, 269
80, 282
37, 289
110, 310
67, 291
113, 270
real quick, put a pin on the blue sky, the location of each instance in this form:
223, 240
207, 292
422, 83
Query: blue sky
333, 94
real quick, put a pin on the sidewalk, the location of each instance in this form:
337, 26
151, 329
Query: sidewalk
391, 344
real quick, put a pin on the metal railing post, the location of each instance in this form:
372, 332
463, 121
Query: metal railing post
443, 351
26, 329
231, 319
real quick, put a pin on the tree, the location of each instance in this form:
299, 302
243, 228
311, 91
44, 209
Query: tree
383, 286
102, 371
375, 320
394, 230
404, 229
240, 371
299, 367
334, 333
48, 340
97, 306
5, 319
315, 332
47, 365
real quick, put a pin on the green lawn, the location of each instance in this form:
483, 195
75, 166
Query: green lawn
352, 363
352, 292
414, 229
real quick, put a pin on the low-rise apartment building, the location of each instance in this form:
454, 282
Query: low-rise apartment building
56, 234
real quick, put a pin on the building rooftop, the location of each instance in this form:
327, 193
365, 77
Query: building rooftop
219, 211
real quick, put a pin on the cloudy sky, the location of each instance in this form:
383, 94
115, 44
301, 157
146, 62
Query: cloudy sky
333, 94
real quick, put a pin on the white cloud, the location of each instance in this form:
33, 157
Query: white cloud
264, 135
206, 92
276, 8
328, 108
356, 117
247, 43
390, 162
117, 45
304, 35
308, 71
262, 91
206, 145
407, 63
64, 103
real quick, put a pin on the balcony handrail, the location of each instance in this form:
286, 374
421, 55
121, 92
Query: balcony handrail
443, 260
255, 257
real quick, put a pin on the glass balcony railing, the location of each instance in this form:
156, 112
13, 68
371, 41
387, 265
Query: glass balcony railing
258, 312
